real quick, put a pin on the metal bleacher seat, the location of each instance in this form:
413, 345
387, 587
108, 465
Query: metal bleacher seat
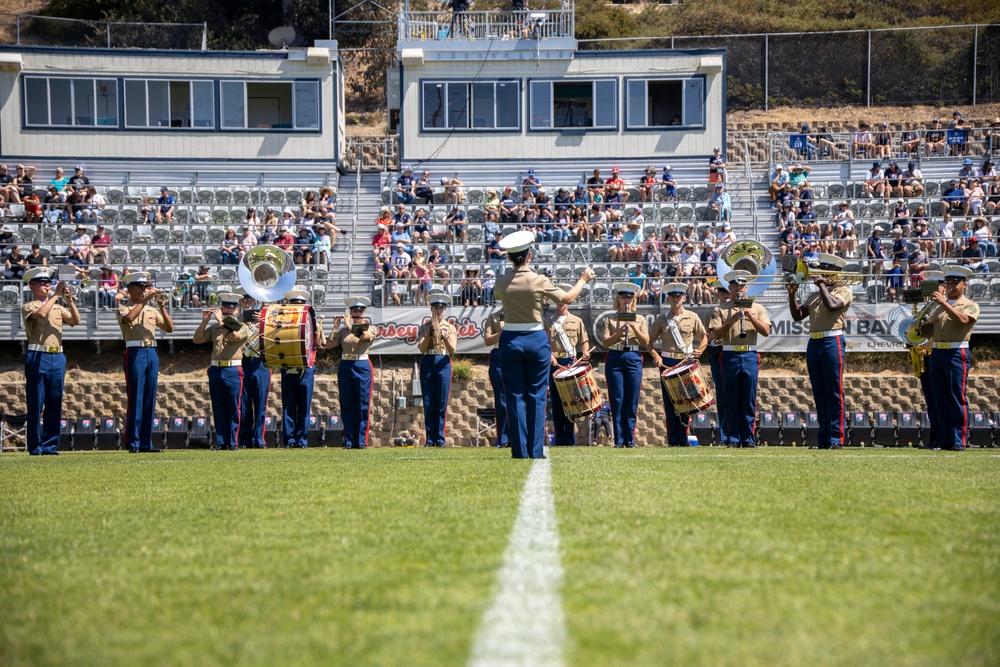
473, 254
220, 215
617, 271
213, 256
599, 253
223, 196
294, 197
216, 234
143, 232
227, 273
174, 255
977, 289
157, 255
9, 295
319, 296
276, 196
562, 253
685, 212
137, 255
241, 196
602, 292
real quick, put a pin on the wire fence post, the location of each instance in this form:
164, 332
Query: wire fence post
18, 23
868, 86
204, 36
107, 28
766, 59
975, 61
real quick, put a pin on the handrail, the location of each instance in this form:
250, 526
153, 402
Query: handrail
497, 24
748, 172
354, 213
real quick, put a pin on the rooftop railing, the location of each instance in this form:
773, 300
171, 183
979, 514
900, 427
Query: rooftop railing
473, 25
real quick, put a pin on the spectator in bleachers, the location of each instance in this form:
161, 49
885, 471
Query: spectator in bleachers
899, 248
960, 138
562, 202
596, 224
671, 235
399, 262
38, 257
874, 185
893, 180
267, 236
7, 241
913, 181
909, 140
844, 216
935, 139
547, 226
786, 196
327, 205
964, 235
876, 253
453, 193
401, 216
382, 239
805, 191
925, 238
595, 185
953, 199
437, 260
305, 245
165, 206
669, 185
185, 283
472, 288
94, 203
32, 208
861, 141
78, 251
788, 239
968, 170
15, 264
421, 227
975, 197
778, 181
917, 263
652, 250
401, 235
55, 206
531, 182
690, 235
250, 220
456, 222
246, 239
689, 258
616, 243
424, 191
798, 176
708, 233
828, 240
563, 230
406, 187
100, 245
614, 189
75, 205
384, 218
810, 252
495, 255
947, 230
147, 214
633, 240
672, 262
972, 256
423, 276
824, 142
107, 287
717, 166
991, 140
271, 219
894, 281
322, 248
8, 191
900, 217
646, 183
22, 180
230, 247
78, 179
309, 204
60, 182
981, 232
806, 214
848, 241
728, 236
203, 281
810, 233
491, 206
510, 210
721, 205
882, 141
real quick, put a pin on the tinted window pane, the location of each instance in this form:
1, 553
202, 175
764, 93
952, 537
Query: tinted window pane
508, 105
60, 93
36, 100
636, 103
180, 104
158, 114
694, 103
458, 105
83, 101
107, 102
432, 98
572, 103
541, 104
307, 105
232, 104
605, 104
135, 103
482, 105
204, 104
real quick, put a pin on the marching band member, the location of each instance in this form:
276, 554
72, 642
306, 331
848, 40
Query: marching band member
826, 351
950, 324
524, 348
138, 322
491, 336
297, 388
225, 375
737, 328
925, 375
624, 340
45, 365
714, 350
437, 341
676, 330
256, 378
567, 335
354, 373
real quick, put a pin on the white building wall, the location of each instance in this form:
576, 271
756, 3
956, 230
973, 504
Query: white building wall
554, 144
193, 144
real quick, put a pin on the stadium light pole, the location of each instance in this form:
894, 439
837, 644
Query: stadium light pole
330, 14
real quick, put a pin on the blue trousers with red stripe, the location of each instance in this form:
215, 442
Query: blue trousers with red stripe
525, 356
354, 380
142, 371
499, 401
44, 374
435, 382
565, 431
623, 373
925, 389
225, 388
253, 402
825, 362
739, 380
677, 425
949, 371
296, 398
720, 399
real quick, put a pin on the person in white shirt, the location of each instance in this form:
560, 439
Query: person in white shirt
947, 236
875, 181
728, 236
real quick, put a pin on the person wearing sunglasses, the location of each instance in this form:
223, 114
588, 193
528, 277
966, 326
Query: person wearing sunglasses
437, 340
354, 373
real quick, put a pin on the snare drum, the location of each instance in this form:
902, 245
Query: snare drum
687, 388
288, 336
578, 391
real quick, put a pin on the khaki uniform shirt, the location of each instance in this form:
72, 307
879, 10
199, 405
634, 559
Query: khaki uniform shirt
437, 342
575, 330
947, 330
689, 325
823, 319
732, 337
143, 327
351, 343
610, 324
523, 293
46, 331
223, 350
493, 326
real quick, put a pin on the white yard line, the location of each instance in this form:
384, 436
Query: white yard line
524, 626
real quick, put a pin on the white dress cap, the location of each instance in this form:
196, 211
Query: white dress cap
631, 288
739, 277
675, 288
517, 241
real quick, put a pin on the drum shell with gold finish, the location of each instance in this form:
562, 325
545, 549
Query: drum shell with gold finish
578, 391
288, 336
686, 386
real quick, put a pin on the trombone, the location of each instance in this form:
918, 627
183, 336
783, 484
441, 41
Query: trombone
799, 271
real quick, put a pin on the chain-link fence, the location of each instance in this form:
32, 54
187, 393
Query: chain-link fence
943, 65
29, 30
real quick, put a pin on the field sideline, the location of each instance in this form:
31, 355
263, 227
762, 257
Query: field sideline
704, 556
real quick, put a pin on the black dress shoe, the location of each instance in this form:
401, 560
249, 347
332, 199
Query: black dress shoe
749, 445
630, 445
150, 451
817, 447
50, 453
619, 446
835, 446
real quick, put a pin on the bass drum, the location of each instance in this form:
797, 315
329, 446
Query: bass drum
288, 336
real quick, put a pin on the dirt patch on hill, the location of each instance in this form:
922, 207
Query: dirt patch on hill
979, 115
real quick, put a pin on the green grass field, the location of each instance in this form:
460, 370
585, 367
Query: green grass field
389, 557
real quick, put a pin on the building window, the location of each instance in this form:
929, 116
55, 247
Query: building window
574, 104
286, 105
462, 105
165, 103
666, 102
63, 102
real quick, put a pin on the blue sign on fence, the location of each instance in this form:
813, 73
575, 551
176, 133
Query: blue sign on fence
957, 137
797, 141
